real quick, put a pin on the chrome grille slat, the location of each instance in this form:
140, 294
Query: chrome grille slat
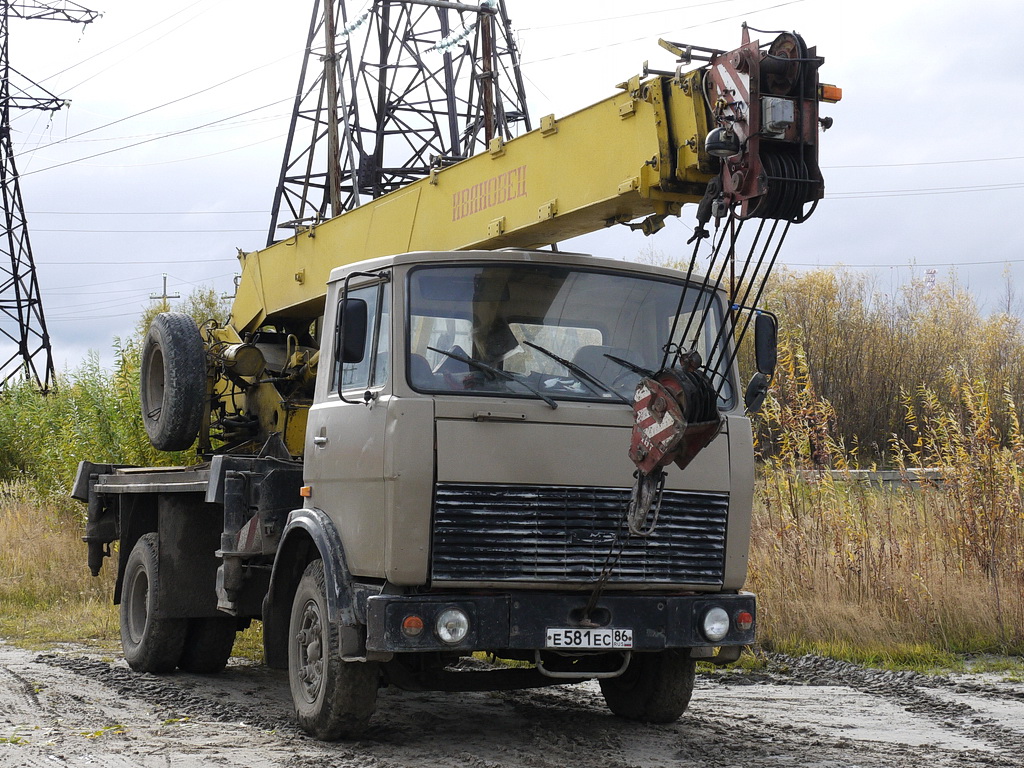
564, 534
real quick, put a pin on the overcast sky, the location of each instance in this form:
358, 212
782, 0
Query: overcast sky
922, 167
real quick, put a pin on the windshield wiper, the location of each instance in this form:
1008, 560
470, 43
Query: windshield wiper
631, 366
583, 375
482, 366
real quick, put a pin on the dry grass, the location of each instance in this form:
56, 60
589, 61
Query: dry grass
839, 567
873, 572
48, 596
46, 591
860, 570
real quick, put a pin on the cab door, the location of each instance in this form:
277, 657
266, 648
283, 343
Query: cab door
344, 458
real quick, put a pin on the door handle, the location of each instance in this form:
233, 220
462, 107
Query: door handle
320, 440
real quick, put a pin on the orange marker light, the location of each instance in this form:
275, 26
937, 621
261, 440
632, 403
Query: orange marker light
306, 491
412, 626
829, 93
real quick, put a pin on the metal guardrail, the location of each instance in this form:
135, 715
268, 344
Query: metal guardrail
882, 477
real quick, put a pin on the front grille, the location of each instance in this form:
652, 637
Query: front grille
567, 534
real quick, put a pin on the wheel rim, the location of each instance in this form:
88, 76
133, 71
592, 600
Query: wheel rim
155, 383
309, 641
138, 605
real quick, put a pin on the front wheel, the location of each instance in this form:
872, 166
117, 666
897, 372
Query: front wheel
333, 698
655, 688
150, 644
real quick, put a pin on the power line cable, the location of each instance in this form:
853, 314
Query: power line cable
868, 194
606, 46
190, 158
907, 266
142, 213
170, 103
148, 141
127, 39
580, 22
926, 162
120, 61
150, 231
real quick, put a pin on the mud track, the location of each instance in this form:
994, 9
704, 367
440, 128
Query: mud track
77, 708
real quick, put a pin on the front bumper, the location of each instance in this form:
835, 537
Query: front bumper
520, 620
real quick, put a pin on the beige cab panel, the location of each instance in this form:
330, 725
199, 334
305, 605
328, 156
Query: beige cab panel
560, 454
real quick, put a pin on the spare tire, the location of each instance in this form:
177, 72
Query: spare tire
173, 381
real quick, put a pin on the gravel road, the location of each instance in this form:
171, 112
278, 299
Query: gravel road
78, 708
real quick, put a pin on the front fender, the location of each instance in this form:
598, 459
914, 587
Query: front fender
308, 535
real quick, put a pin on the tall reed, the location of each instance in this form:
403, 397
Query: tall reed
842, 562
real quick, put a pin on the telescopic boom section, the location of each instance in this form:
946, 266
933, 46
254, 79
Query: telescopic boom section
748, 119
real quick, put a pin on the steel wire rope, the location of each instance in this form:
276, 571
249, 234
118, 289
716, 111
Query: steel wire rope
757, 299
719, 346
735, 233
682, 301
728, 324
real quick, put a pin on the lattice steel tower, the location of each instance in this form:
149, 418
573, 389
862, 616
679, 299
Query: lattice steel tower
24, 341
388, 90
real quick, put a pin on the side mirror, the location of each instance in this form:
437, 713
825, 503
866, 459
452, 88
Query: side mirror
766, 343
756, 392
350, 341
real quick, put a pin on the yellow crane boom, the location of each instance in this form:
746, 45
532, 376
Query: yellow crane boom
637, 154
738, 134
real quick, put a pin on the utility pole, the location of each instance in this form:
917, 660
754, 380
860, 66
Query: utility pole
163, 297
389, 94
24, 341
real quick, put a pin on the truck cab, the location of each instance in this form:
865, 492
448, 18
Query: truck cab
467, 456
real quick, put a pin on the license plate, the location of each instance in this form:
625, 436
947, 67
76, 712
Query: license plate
576, 639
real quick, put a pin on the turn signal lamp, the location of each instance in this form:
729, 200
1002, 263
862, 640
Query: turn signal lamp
412, 626
829, 93
744, 620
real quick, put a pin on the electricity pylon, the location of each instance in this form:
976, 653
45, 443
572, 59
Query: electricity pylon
388, 90
23, 335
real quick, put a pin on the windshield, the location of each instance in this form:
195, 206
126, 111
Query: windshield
555, 332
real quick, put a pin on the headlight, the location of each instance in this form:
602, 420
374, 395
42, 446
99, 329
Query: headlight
452, 626
716, 624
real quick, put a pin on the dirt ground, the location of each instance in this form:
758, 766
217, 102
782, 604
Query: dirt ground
78, 708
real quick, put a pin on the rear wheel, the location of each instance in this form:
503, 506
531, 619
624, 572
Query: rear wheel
655, 688
149, 644
333, 698
208, 644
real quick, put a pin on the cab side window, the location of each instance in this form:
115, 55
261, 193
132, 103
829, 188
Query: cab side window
372, 370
